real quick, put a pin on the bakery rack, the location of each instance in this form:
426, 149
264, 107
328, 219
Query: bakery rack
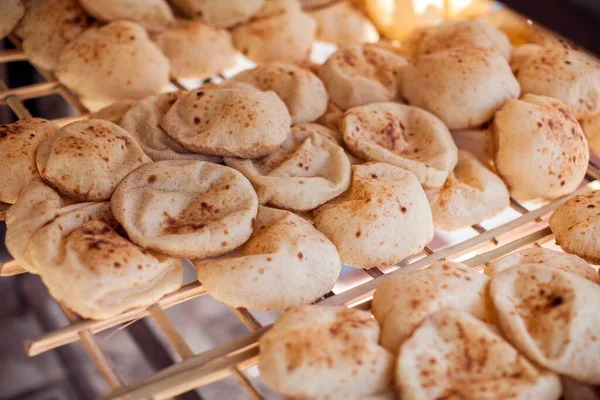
527, 227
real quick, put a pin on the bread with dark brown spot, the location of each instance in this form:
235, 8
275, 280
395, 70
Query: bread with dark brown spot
152, 14
219, 13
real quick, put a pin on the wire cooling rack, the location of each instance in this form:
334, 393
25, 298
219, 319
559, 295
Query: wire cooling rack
526, 228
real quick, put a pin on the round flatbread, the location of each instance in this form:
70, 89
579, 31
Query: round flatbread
235, 122
576, 227
306, 171
343, 24
551, 317
404, 136
381, 219
115, 112
153, 14
92, 270
86, 160
471, 194
47, 27
19, 142
361, 74
541, 151
285, 263
325, 352
115, 62
222, 14
185, 208
12, 12
454, 355
142, 121
546, 257
464, 87
400, 304
591, 128
302, 91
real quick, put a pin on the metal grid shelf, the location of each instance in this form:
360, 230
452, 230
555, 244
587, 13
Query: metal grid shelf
230, 359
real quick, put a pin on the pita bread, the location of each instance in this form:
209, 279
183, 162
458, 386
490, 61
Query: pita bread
400, 304
521, 54
551, 317
285, 263
311, 5
275, 34
452, 355
545, 257
471, 194
152, 14
361, 74
541, 151
231, 122
86, 160
47, 27
142, 121
464, 87
404, 136
565, 74
306, 171
186, 208
19, 142
12, 12
222, 14
591, 128
457, 33
196, 50
95, 272
573, 390
343, 24
479, 142
317, 352
115, 112
575, 226
331, 118
302, 91
37, 205
336, 137
115, 62
381, 219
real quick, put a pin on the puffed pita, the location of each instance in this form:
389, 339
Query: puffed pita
541, 151
95, 272
573, 390
361, 74
454, 355
336, 137
479, 142
576, 226
545, 257
115, 62
332, 353
186, 208
404, 136
381, 219
471, 194
19, 142
285, 263
86, 160
234, 122
521, 54
276, 33
400, 304
565, 74
12, 12
302, 91
195, 49
464, 87
591, 128
115, 112
306, 171
222, 14
342, 23
47, 27
142, 121
551, 316
38, 204
152, 14
457, 33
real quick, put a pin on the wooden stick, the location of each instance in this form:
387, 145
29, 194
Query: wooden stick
170, 331
70, 334
12, 55
10, 268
